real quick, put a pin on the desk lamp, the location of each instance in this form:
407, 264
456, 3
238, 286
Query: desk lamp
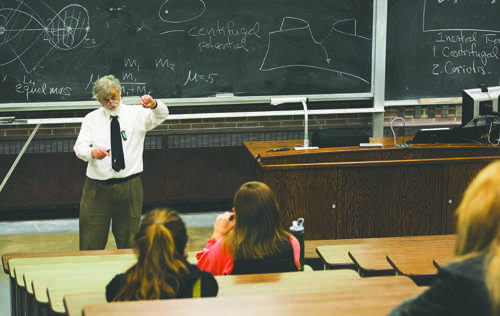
303, 100
404, 144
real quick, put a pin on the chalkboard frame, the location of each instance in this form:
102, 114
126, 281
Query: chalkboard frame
209, 100
430, 54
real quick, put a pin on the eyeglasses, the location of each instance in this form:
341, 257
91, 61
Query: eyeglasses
113, 95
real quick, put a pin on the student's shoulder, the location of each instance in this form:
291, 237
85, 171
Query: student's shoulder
114, 286
209, 285
465, 264
470, 268
195, 272
117, 280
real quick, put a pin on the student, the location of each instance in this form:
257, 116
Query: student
162, 270
251, 239
471, 283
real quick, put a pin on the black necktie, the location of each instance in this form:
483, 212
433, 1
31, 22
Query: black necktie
117, 160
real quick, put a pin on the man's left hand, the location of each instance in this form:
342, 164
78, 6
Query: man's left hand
147, 102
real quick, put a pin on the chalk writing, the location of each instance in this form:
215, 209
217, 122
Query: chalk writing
194, 77
62, 47
128, 81
129, 62
164, 63
128, 76
461, 47
29, 87
134, 89
223, 36
463, 53
91, 81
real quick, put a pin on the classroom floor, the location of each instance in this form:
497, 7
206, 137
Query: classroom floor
62, 235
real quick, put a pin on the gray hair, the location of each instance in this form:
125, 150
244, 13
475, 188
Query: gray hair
103, 85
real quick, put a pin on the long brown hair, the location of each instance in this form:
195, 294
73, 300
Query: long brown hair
478, 230
258, 231
160, 244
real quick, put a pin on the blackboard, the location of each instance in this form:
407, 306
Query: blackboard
436, 48
54, 50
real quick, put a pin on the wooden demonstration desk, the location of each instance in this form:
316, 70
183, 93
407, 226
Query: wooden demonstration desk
353, 192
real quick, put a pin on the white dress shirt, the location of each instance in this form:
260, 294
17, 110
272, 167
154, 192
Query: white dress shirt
135, 121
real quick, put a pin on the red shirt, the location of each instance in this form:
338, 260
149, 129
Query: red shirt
214, 260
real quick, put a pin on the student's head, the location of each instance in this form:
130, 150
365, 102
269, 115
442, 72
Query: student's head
478, 215
160, 245
255, 206
107, 90
478, 227
161, 229
258, 231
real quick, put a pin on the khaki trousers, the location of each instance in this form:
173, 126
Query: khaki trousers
102, 203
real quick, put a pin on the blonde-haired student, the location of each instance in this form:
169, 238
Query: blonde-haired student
162, 270
470, 285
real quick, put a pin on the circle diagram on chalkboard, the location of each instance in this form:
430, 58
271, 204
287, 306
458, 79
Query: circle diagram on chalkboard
21, 29
179, 11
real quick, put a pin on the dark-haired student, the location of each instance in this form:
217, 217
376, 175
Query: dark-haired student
470, 285
251, 239
162, 270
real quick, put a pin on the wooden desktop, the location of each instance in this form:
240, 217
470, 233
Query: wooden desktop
355, 192
365, 296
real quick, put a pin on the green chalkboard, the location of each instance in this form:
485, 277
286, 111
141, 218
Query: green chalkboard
436, 48
54, 50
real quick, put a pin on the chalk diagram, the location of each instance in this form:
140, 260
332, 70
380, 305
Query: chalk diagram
21, 29
180, 11
294, 45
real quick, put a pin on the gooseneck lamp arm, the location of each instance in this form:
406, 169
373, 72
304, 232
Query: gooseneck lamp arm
303, 100
306, 123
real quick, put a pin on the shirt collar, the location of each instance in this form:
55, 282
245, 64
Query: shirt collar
110, 114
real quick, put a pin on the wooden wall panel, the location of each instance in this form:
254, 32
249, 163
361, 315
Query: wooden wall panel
366, 201
386, 191
153, 177
204, 173
47, 179
171, 176
421, 188
309, 193
459, 177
